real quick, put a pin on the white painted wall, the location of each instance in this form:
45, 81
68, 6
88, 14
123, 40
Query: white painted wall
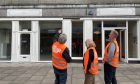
15, 41
24, 12
115, 11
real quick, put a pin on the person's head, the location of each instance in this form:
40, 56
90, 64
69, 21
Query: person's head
90, 43
113, 35
62, 38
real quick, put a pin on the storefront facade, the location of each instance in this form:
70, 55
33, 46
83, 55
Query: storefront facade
27, 31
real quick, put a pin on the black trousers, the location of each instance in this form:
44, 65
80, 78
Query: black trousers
109, 74
60, 76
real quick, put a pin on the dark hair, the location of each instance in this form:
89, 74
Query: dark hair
115, 33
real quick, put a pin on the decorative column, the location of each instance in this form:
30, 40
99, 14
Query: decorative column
67, 29
35, 41
87, 32
15, 42
126, 43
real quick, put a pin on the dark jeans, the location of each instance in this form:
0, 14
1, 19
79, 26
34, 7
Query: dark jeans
60, 76
109, 74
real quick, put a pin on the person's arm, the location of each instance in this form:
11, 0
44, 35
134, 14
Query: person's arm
66, 55
111, 52
56, 36
91, 58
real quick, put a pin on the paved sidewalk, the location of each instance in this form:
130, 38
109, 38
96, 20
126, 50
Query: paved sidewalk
42, 73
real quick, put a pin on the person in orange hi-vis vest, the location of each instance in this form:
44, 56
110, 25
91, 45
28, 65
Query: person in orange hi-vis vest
111, 58
60, 58
90, 62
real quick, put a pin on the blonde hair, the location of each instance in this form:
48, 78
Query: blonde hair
90, 43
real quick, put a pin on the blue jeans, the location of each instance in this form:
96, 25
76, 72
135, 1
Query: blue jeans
109, 74
60, 76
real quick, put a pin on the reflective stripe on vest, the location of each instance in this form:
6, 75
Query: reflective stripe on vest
63, 65
113, 63
93, 71
94, 65
115, 60
57, 59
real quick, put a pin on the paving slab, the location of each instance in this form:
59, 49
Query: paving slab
42, 73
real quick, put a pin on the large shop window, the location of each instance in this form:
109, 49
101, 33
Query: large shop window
77, 39
132, 39
97, 37
5, 40
48, 30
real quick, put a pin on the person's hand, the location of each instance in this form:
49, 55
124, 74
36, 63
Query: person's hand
60, 31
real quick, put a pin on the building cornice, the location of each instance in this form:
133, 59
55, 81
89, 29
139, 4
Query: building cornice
67, 6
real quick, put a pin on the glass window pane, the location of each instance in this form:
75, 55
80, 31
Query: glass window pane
77, 39
5, 40
114, 23
48, 30
25, 25
132, 39
25, 43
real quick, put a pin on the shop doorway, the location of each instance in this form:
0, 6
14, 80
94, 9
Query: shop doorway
24, 36
122, 28
121, 42
25, 47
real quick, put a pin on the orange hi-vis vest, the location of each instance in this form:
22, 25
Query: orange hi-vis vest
94, 65
57, 59
115, 60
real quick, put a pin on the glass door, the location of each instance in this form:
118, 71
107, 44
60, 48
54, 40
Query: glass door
121, 42
25, 47
122, 45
